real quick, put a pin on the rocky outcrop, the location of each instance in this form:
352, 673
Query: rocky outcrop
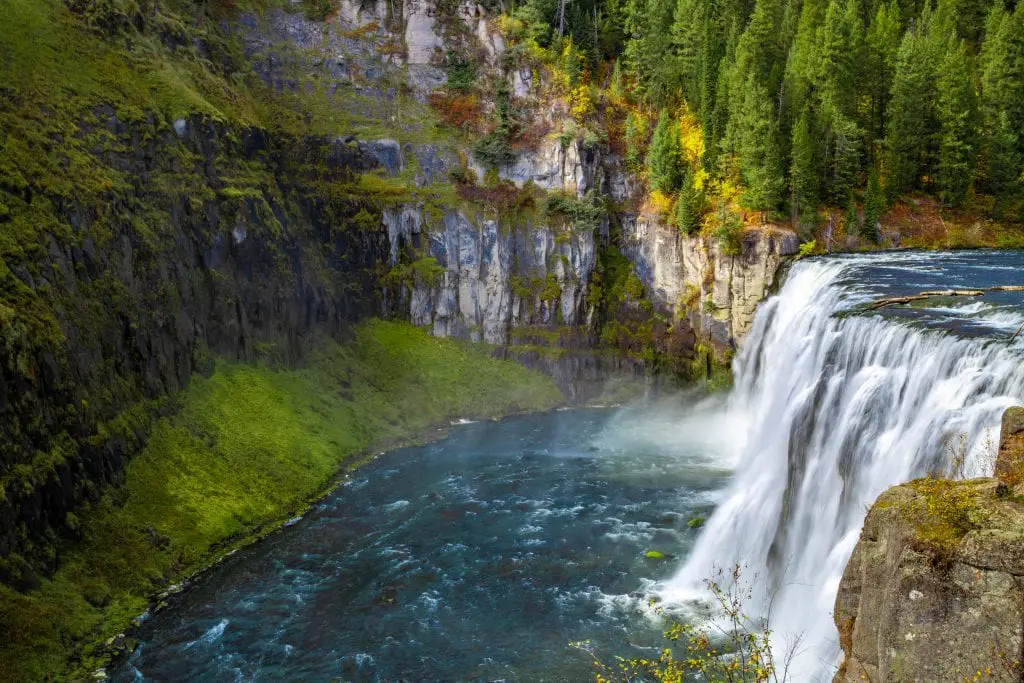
484, 280
719, 290
496, 279
934, 590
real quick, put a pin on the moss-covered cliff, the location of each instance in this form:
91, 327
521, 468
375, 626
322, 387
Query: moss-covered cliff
201, 203
244, 450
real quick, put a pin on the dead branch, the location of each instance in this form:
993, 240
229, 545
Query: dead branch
890, 301
1017, 333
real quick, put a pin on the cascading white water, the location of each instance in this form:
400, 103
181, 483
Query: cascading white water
836, 409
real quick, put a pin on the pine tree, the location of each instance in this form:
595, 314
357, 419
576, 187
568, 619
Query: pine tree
910, 112
851, 224
758, 148
636, 139
957, 110
1002, 82
803, 173
1004, 162
664, 161
874, 206
841, 149
882, 45
687, 39
689, 207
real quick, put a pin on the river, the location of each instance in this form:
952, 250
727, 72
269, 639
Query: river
482, 556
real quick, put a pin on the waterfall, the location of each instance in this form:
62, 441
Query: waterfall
836, 409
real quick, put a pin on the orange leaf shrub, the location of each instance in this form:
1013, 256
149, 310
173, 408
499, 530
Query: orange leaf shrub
458, 111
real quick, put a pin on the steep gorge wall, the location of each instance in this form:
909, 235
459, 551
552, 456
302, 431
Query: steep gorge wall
202, 237
216, 246
496, 270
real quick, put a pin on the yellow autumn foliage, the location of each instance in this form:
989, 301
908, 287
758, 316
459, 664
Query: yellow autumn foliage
660, 202
691, 137
581, 104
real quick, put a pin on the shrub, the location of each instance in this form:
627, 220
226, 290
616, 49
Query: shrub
318, 10
457, 111
729, 233
581, 104
737, 650
461, 72
110, 16
494, 149
584, 214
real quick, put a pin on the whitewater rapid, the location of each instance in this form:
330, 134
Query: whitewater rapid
830, 408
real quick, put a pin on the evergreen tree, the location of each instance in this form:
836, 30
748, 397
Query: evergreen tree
957, 109
803, 174
882, 45
841, 149
909, 127
1004, 162
664, 161
797, 97
688, 39
760, 161
1002, 82
851, 223
689, 206
636, 139
874, 206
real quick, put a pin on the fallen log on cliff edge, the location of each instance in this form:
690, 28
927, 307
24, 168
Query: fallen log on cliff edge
890, 301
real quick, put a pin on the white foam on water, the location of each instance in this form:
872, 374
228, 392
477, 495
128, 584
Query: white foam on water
826, 413
211, 635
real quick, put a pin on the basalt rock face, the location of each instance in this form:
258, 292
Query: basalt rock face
934, 590
186, 265
491, 267
225, 240
719, 290
492, 279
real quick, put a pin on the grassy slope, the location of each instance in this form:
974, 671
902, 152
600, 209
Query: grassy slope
249, 447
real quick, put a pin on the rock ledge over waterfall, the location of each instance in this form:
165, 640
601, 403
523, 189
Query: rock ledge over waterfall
934, 590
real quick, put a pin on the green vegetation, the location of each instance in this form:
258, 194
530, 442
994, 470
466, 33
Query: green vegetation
943, 511
664, 162
689, 206
581, 214
461, 73
735, 648
796, 104
249, 447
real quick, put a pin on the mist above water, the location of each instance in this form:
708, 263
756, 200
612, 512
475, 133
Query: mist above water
829, 410
482, 556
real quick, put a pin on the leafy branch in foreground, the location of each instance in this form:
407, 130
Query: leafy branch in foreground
733, 648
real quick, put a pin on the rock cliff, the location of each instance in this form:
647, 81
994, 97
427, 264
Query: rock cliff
934, 590
289, 180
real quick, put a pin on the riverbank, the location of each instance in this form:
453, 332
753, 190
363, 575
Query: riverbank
247, 448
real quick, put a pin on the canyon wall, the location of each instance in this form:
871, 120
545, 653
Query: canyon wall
143, 246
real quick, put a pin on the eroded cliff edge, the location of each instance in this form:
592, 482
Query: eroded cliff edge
934, 590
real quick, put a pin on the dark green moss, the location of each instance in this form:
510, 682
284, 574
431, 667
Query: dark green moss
249, 446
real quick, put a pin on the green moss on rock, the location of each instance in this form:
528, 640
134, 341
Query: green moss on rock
250, 446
